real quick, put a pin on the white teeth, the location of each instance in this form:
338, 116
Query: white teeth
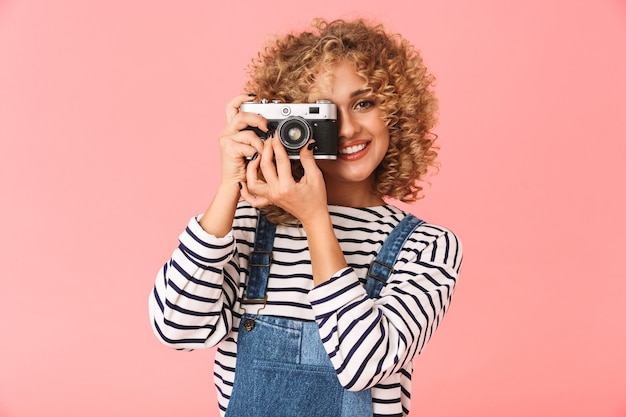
352, 149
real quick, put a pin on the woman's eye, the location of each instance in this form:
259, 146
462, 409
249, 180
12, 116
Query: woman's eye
364, 104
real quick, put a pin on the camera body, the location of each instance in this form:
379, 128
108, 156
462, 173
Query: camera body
297, 123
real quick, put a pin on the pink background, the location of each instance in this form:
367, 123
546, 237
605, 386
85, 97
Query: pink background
109, 112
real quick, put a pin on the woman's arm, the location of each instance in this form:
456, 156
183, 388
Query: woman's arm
306, 200
370, 339
194, 292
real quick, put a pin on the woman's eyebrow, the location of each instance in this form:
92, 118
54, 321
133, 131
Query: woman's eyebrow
359, 92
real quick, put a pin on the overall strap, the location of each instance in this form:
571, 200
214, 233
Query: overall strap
379, 271
260, 260
382, 266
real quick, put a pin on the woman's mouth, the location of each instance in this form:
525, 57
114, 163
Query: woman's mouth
353, 151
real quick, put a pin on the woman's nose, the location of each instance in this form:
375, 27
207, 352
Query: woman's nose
348, 126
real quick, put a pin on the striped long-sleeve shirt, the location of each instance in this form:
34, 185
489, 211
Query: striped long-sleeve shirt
371, 342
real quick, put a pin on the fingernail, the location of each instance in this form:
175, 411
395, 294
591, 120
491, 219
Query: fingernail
240, 186
255, 156
311, 146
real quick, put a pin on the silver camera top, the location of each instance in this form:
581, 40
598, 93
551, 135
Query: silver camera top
277, 110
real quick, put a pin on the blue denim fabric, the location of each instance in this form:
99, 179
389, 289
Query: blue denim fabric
284, 371
381, 267
282, 367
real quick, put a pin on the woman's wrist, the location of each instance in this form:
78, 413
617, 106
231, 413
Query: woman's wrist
311, 224
326, 255
218, 217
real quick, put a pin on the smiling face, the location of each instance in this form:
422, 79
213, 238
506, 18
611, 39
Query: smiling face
363, 138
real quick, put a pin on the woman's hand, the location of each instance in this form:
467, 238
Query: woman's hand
304, 199
236, 144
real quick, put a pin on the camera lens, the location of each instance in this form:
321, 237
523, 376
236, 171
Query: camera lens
294, 132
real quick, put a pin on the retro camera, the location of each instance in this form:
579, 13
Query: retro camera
296, 123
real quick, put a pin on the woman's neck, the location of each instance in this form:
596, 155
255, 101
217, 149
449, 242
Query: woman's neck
350, 194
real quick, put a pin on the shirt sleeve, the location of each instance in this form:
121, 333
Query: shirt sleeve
367, 339
191, 303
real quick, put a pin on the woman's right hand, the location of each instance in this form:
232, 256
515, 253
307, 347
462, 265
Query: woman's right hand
237, 146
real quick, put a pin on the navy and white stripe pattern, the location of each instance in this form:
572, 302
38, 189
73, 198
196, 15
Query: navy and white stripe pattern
371, 342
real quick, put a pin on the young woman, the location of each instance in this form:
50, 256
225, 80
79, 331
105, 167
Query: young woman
297, 330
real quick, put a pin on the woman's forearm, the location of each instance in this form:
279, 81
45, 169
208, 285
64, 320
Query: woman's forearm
326, 255
218, 218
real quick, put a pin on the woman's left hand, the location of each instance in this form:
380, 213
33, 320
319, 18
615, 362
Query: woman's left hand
304, 199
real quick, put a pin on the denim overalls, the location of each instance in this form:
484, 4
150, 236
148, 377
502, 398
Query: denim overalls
282, 368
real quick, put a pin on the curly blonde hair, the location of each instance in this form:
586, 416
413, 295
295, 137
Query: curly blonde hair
287, 69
